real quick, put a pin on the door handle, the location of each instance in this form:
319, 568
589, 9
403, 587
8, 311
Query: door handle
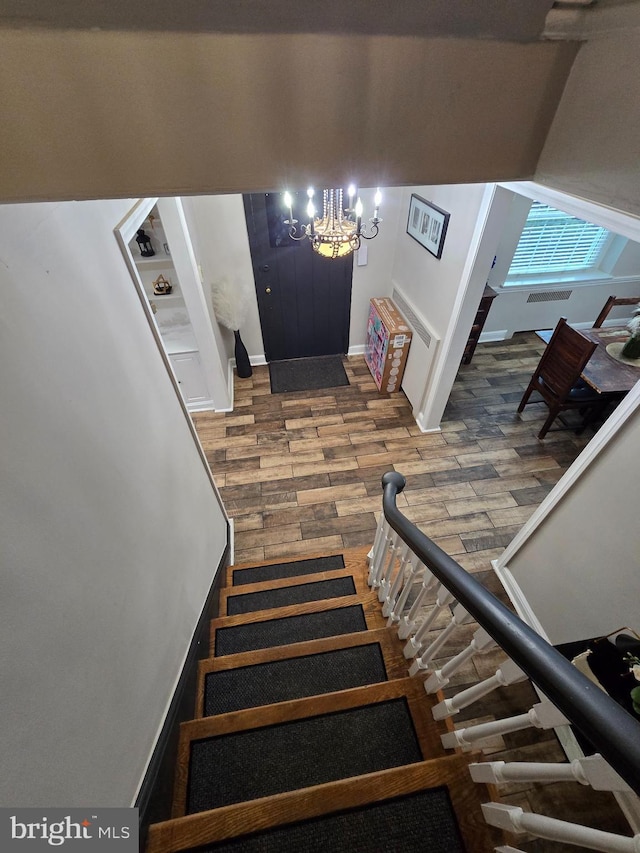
267, 290
265, 268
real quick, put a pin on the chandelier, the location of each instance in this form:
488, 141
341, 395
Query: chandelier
339, 230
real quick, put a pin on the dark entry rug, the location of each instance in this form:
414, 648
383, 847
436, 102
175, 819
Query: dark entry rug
415, 823
307, 374
293, 678
246, 765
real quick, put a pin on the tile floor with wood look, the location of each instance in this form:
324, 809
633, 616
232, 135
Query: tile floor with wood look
300, 474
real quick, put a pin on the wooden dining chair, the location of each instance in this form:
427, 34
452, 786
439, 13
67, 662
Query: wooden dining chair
608, 305
560, 367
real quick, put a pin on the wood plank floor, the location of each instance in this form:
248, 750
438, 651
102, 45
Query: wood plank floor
300, 474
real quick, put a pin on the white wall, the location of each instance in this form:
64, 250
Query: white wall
578, 567
109, 527
447, 292
218, 229
375, 279
592, 147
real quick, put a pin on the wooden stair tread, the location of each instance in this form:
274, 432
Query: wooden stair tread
355, 560
361, 587
368, 602
184, 833
428, 730
391, 649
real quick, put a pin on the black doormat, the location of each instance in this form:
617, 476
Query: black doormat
246, 765
291, 629
290, 569
415, 823
294, 678
286, 595
307, 374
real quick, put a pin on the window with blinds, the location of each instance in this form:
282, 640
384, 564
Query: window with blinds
553, 241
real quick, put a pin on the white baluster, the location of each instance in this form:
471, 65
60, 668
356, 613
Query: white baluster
443, 598
541, 716
514, 819
394, 582
374, 554
507, 673
423, 662
480, 644
592, 771
387, 574
387, 556
408, 623
397, 608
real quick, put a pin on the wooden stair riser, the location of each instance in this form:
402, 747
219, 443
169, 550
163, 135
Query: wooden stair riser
361, 587
428, 731
368, 601
184, 833
355, 561
394, 661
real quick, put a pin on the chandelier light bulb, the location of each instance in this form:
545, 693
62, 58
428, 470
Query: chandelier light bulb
377, 198
334, 233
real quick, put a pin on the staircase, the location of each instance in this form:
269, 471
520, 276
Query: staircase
309, 734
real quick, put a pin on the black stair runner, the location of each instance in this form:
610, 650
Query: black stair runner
287, 570
294, 678
290, 629
416, 823
287, 756
286, 595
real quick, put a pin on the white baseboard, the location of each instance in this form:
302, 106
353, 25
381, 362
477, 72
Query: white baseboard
489, 337
424, 429
359, 349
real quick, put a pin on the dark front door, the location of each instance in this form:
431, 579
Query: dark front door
304, 300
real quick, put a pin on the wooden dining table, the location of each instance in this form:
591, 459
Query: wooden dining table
604, 373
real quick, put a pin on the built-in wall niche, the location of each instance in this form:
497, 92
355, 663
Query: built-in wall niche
160, 278
150, 237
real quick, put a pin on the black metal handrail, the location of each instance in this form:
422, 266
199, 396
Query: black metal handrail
613, 732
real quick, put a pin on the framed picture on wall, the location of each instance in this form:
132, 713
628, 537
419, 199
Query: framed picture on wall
427, 224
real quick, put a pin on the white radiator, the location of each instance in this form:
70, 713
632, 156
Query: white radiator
422, 352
